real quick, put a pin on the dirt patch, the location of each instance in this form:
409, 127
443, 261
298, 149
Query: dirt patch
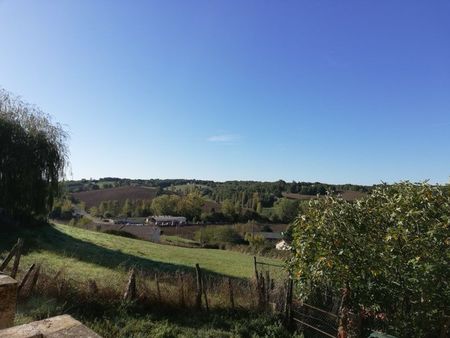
120, 194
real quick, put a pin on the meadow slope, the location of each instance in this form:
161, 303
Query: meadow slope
84, 254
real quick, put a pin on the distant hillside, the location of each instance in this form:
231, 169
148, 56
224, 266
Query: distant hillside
348, 195
120, 194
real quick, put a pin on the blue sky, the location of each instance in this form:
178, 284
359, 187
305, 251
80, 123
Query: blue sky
332, 91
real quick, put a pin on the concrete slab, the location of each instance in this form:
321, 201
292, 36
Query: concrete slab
55, 327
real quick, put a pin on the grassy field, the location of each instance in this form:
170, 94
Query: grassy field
88, 254
84, 254
177, 240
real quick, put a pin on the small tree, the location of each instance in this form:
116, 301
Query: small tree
285, 210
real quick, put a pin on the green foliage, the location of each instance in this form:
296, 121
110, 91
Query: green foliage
228, 209
94, 212
190, 206
285, 210
218, 235
33, 156
255, 241
80, 222
130, 208
392, 248
165, 205
249, 195
62, 209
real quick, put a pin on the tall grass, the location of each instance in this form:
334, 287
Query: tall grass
168, 313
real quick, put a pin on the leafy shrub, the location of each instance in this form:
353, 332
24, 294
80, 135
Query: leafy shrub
255, 240
391, 249
216, 235
80, 222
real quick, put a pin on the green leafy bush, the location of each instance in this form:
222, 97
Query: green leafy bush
217, 235
255, 241
392, 249
80, 222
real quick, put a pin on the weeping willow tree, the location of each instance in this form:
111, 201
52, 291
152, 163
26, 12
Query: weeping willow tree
33, 157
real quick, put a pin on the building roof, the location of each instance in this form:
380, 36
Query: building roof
168, 218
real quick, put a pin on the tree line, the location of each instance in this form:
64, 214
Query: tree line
193, 206
248, 194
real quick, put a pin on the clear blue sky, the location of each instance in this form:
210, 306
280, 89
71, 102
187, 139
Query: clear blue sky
334, 91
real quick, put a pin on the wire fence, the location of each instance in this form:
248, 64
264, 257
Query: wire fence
318, 318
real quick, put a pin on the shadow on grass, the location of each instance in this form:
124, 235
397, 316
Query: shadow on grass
114, 320
51, 239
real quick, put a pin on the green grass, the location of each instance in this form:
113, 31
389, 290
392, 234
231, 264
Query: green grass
177, 240
121, 321
87, 254
84, 254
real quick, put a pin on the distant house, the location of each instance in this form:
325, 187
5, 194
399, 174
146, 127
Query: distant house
283, 245
155, 234
166, 220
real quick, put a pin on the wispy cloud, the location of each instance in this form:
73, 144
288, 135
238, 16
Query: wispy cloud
224, 138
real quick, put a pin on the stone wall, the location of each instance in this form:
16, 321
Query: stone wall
8, 301
55, 327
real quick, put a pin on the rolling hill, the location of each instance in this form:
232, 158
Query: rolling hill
85, 254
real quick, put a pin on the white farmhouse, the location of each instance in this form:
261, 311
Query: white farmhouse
283, 245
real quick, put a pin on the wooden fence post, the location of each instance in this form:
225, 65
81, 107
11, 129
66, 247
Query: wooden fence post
25, 278
198, 296
92, 286
343, 313
204, 293
267, 287
158, 289
181, 282
230, 292
288, 304
256, 269
17, 258
262, 291
10, 255
130, 292
33, 281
